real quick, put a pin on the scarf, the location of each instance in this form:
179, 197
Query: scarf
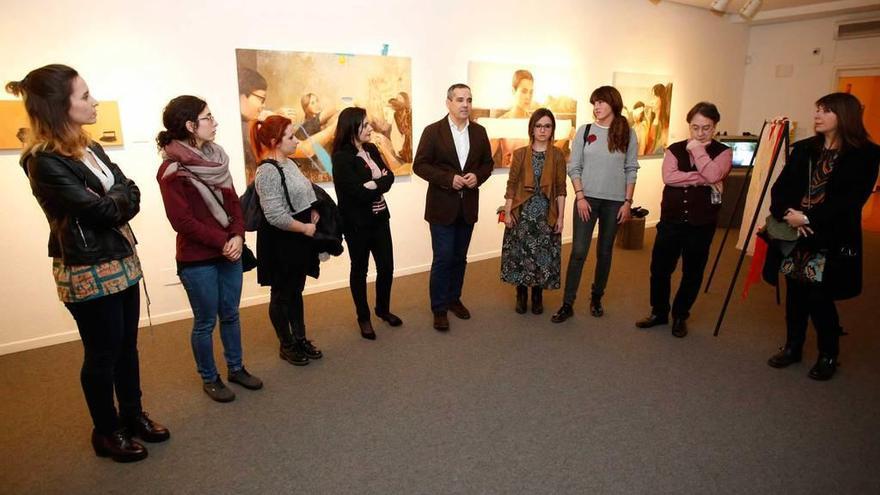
206, 168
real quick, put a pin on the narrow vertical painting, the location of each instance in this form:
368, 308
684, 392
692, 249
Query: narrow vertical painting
647, 99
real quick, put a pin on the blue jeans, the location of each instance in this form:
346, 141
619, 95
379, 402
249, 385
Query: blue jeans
605, 212
450, 245
214, 290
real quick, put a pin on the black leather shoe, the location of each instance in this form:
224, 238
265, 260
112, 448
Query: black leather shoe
459, 310
245, 379
367, 331
441, 322
146, 429
596, 308
522, 295
118, 446
785, 357
390, 318
564, 313
652, 321
679, 327
824, 368
218, 391
293, 355
309, 349
537, 300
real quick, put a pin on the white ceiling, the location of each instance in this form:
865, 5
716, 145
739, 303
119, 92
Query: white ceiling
788, 10
734, 5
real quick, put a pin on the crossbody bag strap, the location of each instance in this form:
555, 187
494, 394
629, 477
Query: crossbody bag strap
283, 183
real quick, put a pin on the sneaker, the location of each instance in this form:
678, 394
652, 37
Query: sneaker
308, 349
218, 391
245, 379
293, 355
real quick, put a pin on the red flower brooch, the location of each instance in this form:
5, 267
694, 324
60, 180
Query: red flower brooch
591, 138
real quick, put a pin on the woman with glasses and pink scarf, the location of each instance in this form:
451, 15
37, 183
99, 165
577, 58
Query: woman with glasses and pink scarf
204, 210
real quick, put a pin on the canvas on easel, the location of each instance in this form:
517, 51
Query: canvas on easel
768, 150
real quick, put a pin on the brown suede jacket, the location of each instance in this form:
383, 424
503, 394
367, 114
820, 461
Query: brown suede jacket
521, 180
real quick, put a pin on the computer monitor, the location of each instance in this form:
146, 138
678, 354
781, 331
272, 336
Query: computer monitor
743, 147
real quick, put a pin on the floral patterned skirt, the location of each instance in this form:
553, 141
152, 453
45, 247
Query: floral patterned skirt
531, 252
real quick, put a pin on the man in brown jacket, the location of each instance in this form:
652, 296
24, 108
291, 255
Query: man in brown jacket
455, 158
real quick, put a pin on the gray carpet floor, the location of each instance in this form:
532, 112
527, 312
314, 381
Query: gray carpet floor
503, 403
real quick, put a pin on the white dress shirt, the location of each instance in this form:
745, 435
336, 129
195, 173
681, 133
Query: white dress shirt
462, 141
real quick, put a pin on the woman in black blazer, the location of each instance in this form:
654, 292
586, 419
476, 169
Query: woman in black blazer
821, 192
361, 178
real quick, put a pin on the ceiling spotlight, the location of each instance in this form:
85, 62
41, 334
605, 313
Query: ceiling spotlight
750, 8
719, 5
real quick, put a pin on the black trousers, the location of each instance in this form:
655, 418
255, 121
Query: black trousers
108, 327
375, 240
691, 243
804, 300
286, 309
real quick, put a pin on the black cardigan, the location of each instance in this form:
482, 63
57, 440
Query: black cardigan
350, 173
837, 221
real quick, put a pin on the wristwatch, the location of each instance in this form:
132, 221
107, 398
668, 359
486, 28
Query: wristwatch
628, 200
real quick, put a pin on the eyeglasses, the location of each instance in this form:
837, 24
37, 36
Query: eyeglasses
705, 128
209, 118
543, 126
261, 98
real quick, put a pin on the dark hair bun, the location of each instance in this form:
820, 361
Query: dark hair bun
14, 88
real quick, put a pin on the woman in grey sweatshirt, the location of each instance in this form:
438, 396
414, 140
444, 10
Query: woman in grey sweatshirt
603, 169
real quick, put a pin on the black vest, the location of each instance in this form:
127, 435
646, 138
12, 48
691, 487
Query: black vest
692, 204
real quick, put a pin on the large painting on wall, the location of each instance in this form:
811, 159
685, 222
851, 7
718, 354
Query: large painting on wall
505, 96
14, 125
647, 99
311, 89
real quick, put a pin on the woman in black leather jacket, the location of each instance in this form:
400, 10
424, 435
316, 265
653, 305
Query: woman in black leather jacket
88, 202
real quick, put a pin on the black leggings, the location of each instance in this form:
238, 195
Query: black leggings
286, 309
108, 327
805, 301
360, 244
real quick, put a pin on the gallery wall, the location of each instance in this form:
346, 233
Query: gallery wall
791, 65
142, 56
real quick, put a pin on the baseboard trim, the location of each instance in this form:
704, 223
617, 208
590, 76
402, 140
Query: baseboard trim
158, 319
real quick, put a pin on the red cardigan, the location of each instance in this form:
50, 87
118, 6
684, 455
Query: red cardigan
199, 236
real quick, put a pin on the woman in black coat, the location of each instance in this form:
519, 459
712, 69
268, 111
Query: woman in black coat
821, 192
361, 178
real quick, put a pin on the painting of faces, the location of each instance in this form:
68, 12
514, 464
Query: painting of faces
312, 88
505, 96
647, 99
15, 127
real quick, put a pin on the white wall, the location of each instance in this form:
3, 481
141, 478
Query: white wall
790, 46
143, 56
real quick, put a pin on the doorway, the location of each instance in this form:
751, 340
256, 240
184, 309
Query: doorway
866, 87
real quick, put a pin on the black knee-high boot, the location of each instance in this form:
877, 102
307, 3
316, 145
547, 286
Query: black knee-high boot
522, 294
537, 300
